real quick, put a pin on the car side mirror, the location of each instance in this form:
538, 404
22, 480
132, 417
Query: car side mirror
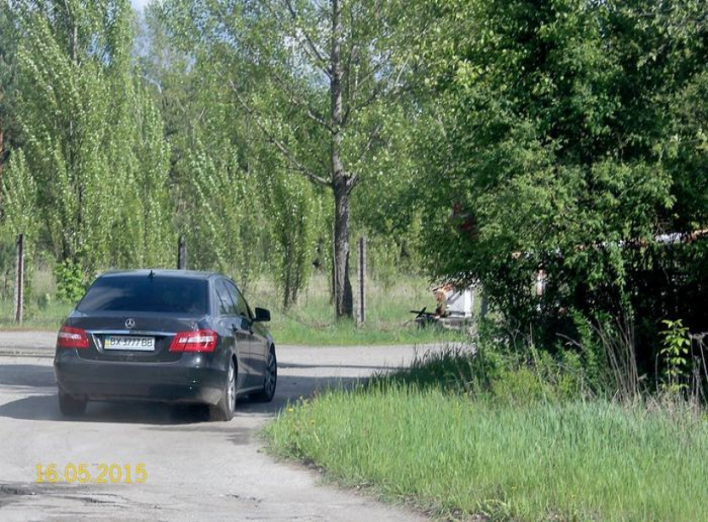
262, 315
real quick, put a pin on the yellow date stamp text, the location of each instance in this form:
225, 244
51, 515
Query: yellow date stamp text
83, 473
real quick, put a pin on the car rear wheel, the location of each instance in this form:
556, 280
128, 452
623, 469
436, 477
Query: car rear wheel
270, 380
71, 406
224, 410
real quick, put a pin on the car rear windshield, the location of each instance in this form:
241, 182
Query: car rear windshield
177, 295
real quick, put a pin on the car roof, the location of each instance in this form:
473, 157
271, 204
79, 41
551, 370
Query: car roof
159, 272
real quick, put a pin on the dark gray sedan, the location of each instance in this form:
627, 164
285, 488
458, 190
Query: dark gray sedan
165, 335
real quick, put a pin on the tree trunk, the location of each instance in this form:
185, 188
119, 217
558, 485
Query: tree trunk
287, 285
344, 305
2, 150
341, 182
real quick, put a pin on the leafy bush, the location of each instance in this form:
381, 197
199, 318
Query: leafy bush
70, 281
570, 138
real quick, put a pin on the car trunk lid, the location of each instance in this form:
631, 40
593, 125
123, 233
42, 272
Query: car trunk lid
125, 337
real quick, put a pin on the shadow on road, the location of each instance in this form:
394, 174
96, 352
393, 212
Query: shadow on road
31, 375
337, 366
45, 406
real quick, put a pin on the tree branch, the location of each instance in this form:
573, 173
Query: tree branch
311, 113
378, 90
275, 141
370, 143
352, 108
314, 52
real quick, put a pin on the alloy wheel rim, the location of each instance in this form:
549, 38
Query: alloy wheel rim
270, 376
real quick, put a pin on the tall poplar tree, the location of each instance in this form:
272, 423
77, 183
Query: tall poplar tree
91, 139
332, 65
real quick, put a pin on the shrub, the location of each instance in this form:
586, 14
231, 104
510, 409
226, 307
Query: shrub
70, 281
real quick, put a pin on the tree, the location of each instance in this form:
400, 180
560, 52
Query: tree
92, 141
568, 139
8, 51
18, 191
147, 211
293, 216
332, 65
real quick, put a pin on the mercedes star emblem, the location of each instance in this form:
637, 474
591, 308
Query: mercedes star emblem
129, 323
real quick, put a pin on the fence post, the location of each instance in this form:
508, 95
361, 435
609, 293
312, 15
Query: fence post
19, 281
182, 254
361, 316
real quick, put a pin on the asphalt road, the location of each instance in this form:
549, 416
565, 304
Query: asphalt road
196, 470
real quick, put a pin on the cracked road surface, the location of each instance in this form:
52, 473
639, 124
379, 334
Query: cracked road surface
196, 470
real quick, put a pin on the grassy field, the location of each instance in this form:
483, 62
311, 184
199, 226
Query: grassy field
49, 317
456, 457
388, 320
310, 322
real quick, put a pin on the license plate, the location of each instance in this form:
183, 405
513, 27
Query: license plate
129, 342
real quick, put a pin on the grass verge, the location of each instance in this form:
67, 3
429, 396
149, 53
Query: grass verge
577, 460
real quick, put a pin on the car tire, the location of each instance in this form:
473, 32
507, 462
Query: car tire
224, 410
71, 406
270, 381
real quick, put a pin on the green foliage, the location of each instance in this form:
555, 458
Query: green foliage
277, 104
70, 279
18, 190
147, 206
127, 150
229, 183
491, 374
452, 370
19, 197
675, 355
292, 222
592, 353
221, 208
562, 137
8, 65
91, 138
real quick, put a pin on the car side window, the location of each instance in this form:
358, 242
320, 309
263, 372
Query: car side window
241, 305
226, 303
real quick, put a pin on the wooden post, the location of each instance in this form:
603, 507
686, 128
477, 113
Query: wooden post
361, 316
19, 281
182, 254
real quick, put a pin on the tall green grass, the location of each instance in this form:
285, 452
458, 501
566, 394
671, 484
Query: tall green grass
47, 316
42, 310
503, 459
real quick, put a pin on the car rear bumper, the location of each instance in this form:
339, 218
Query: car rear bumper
192, 379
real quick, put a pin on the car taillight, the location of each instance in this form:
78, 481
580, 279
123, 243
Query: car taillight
194, 341
70, 337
